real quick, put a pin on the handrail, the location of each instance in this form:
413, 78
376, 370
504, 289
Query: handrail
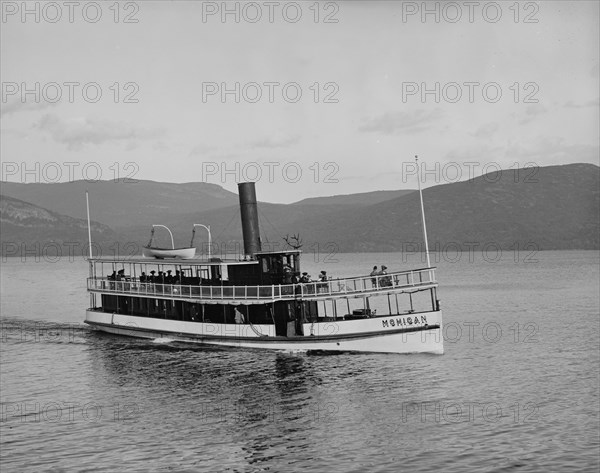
318, 289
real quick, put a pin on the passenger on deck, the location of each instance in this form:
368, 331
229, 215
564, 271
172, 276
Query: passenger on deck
113, 276
168, 277
374, 273
386, 281
323, 276
239, 317
287, 274
305, 278
143, 277
121, 274
152, 277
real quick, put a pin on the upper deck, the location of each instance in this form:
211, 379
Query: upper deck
363, 286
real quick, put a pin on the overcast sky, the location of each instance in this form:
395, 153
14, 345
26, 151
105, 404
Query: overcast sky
507, 84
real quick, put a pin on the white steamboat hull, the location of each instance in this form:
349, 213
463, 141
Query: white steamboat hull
417, 333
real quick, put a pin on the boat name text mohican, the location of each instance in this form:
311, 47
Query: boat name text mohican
404, 321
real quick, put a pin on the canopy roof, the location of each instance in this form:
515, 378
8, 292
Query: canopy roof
169, 261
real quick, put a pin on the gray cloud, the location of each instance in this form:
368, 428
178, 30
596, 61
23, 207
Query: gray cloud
589, 103
531, 112
15, 105
76, 133
271, 142
554, 150
486, 131
201, 150
394, 123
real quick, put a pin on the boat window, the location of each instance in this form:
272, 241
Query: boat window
203, 272
265, 265
326, 308
341, 306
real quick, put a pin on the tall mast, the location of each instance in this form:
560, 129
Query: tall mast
423, 214
87, 203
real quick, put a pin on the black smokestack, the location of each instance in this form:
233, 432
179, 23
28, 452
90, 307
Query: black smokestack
249, 211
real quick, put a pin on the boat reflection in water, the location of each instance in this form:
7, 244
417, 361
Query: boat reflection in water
216, 403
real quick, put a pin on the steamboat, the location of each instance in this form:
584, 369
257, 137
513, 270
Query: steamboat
260, 300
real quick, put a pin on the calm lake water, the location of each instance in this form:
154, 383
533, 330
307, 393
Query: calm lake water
516, 390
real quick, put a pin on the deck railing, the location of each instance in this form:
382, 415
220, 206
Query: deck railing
393, 282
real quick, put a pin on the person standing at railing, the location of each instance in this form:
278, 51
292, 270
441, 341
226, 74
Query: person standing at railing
160, 281
374, 273
386, 280
322, 286
143, 279
112, 277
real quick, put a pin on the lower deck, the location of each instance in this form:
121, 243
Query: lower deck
282, 318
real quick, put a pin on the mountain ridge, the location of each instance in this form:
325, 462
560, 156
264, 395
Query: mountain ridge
32, 229
123, 201
361, 198
557, 209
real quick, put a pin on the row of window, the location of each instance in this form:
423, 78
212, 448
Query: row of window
215, 313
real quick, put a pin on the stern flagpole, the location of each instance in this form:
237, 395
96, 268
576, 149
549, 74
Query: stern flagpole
87, 203
423, 214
